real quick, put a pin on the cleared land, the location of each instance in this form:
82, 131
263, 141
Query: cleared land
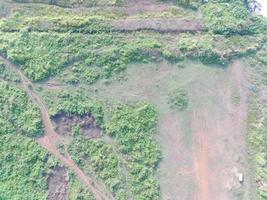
204, 145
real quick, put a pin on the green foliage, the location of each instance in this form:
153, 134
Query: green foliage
218, 49
7, 74
72, 3
23, 167
231, 17
133, 156
90, 56
203, 48
258, 147
179, 99
18, 113
77, 191
133, 128
73, 103
23, 163
257, 126
103, 160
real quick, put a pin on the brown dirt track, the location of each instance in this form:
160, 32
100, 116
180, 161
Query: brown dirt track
50, 140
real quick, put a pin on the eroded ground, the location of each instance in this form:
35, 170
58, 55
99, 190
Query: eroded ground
65, 123
58, 184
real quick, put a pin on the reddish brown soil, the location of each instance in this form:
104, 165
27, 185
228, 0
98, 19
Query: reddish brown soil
50, 140
58, 184
219, 150
64, 124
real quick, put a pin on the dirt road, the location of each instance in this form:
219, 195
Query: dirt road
51, 139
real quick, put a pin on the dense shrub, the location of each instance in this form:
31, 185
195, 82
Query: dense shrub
231, 17
23, 166
103, 160
133, 127
18, 112
7, 74
77, 191
72, 102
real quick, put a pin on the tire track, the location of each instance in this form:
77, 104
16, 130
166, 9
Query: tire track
50, 140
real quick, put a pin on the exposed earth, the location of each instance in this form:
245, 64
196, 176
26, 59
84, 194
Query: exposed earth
58, 184
65, 123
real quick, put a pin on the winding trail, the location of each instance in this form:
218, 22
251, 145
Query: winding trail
51, 139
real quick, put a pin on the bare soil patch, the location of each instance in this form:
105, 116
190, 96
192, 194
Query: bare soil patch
58, 188
134, 7
64, 124
158, 25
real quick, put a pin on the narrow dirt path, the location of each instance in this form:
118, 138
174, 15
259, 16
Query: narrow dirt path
50, 140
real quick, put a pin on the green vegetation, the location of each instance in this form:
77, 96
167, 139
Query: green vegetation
77, 191
72, 3
258, 148
230, 17
90, 57
18, 113
133, 155
23, 163
7, 74
179, 99
23, 167
81, 47
217, 49
133, 128
99, 157
257, 139
72, 102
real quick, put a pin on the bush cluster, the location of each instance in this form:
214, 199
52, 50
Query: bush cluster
18, 113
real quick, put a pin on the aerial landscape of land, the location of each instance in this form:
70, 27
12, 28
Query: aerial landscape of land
133, 100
